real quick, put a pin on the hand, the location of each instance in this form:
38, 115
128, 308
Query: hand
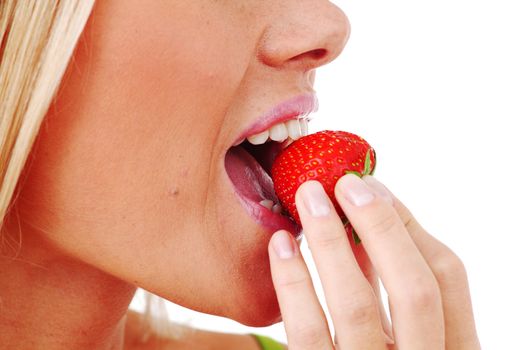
426, 282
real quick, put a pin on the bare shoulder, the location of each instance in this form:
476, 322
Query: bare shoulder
188, 338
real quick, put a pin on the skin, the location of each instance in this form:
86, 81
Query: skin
426, 282
126, 187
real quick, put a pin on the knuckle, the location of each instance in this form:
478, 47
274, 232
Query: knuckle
310, 336
423, 295
357, 311
449, 269
382, 223
329, 241
293, 282
410, 223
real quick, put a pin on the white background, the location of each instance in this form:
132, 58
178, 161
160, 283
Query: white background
438, 89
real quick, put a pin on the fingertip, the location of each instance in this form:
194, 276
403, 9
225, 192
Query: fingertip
380, 189
283, 245
305, 186
345, 182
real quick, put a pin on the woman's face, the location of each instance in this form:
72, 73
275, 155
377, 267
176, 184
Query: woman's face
128, 173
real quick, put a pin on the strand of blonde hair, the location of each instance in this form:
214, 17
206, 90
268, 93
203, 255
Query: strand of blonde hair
38, 41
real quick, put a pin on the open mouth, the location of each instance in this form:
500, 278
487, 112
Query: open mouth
248, 165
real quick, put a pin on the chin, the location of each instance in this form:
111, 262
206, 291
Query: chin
257, 305
261, 312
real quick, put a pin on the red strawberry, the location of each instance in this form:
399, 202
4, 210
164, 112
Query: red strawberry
324, 156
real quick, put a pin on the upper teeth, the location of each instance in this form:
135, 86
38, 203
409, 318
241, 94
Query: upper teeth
293, 129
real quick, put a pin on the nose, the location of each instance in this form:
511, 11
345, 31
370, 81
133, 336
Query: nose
304, 35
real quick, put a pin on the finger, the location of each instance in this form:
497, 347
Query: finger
371, 275
303, 317
460, 329
416, 309
350, 298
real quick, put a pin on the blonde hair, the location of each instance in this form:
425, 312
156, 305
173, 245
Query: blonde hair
37, 42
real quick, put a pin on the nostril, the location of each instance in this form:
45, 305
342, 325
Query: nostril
316, 54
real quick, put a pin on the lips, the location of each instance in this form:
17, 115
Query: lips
293, 108
248, 174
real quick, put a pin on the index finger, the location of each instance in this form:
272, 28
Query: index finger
303, 317
350, 298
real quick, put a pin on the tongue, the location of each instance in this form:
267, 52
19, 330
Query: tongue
248, 177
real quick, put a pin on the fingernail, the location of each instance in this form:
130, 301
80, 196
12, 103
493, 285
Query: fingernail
356, 191
379, 187
283, 246
315, 199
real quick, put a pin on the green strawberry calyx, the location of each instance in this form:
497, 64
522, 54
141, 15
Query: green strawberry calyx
366, 171
356, 173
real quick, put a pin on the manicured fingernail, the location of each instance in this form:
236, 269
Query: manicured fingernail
356, 191
283, 246
379, 187
315, 199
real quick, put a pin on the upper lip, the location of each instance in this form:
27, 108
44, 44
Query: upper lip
300, 105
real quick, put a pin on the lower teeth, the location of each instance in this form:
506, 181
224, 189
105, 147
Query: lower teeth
268, 204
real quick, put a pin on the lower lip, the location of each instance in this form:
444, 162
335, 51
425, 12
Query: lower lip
267, 218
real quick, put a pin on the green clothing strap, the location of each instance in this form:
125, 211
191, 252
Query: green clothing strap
268, 343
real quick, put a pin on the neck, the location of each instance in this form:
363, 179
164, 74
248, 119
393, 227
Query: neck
51, 301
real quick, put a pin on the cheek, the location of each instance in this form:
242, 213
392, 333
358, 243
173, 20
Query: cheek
117, 176
160, 53
137, 101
